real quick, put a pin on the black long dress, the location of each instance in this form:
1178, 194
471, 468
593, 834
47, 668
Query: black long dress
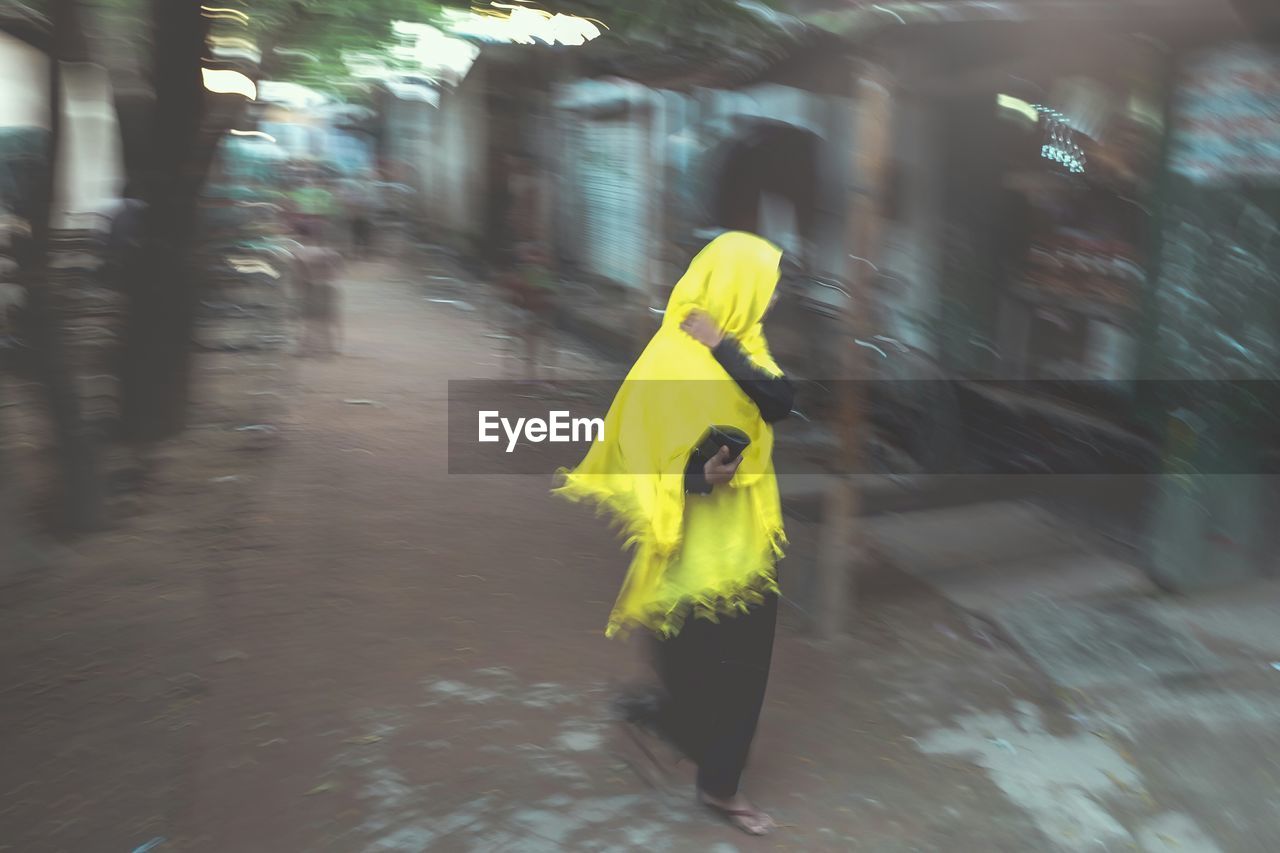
714, 674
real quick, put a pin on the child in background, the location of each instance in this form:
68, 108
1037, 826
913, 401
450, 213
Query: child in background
315, 273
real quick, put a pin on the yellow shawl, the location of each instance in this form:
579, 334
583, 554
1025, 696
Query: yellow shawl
716, 555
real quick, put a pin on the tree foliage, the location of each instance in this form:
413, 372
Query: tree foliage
310, 36
304, 40
157, 51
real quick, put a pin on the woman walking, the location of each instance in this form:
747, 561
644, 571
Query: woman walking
705, 532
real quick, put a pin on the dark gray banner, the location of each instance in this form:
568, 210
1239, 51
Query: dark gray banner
923, 427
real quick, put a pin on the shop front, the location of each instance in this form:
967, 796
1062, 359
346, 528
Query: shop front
1029, 212
1108, 296
1214, 350
1048, 165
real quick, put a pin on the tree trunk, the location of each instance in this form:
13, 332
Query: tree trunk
155, 368
170, 145
80, 502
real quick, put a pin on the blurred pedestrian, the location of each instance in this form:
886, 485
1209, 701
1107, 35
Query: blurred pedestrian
314, 207
360, 203
316, 268
705, 531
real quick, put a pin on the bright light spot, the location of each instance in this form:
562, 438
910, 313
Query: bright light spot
222, 12
254, 133
227, 47
1019, 106
1073, 159
251, 266
435, 53
522, 25
231, 41
226, 82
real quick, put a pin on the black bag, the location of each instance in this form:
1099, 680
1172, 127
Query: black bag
717, 437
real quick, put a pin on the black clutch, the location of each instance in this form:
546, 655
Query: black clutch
717, 437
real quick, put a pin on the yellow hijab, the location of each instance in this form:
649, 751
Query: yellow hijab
716, 555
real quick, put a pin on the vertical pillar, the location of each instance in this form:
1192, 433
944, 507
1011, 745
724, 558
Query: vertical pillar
841, 544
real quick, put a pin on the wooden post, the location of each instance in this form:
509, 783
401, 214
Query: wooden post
841, 543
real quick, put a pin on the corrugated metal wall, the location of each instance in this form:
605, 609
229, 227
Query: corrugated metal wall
611, 182
453, 157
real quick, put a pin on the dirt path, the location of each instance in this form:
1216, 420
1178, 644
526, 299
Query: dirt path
332, 644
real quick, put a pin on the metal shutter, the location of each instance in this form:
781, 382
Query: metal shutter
612, 166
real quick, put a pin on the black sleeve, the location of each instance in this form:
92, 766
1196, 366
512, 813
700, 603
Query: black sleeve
773, 395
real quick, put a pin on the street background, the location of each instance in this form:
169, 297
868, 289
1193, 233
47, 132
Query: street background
258, 662
252, 600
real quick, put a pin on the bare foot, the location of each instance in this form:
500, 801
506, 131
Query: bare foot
739, 812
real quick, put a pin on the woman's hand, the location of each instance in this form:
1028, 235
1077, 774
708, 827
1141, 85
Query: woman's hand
719, 470
702, 329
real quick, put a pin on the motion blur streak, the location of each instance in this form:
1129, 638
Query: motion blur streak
996, 567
